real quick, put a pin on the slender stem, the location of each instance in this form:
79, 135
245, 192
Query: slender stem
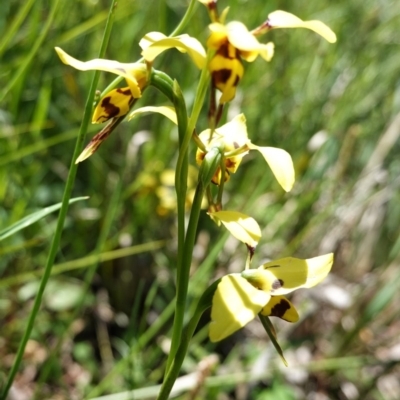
221, 182
182, 283
63, 211
204, 303
197, 106
186, 18
166, 85
207, 170
185, 252
198, 142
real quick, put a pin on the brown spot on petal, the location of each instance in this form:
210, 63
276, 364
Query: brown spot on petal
277, 284
236, 145
251, 250
109, 108
230, 164
278, 310
272, 266
126, 92
224, 50
221, 76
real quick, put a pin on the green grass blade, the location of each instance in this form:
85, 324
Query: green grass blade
35, 48
34, 217
18, 20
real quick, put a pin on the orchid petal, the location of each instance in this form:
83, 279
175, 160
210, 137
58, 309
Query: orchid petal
293, 273
234, 131
154, 43
281, 307
240, 37
283, 19
167, 111
116, 103
98, 139
280, 163
241, 226
235, 303
132, 72
218, 37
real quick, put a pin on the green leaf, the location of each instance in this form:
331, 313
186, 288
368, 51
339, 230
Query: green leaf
32, 218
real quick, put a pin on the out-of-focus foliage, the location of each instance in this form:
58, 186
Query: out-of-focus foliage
334, 108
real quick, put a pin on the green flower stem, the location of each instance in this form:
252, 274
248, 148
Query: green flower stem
182, 281
222, 182
63, 211
166, 85
186, 18
207, 169
198, 142
204, 303
197, 106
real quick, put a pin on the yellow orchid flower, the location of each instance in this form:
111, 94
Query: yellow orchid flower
240, 297
234, 42
232, 138
154, 43
117, 102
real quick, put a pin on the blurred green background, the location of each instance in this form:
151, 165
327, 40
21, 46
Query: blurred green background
104, 327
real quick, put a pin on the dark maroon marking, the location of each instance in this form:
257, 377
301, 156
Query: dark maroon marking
221, 76
278, 310
126, 92
224, 51
277, 284
272, 266
229, 163
236, 80
110, 109
251, 250
212, 6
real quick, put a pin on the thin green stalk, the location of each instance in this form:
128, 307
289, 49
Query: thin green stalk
63, 211
182, 283
169, 88
197, 106
186, 18
204, 303
222, 181
208, 167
